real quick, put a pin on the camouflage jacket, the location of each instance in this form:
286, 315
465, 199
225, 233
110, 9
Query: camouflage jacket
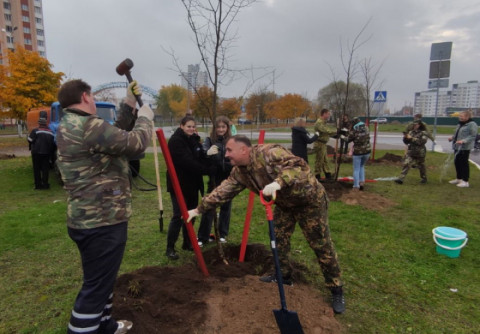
93, 161
416, 143
268, 163
360, 135
326, 131
429, 135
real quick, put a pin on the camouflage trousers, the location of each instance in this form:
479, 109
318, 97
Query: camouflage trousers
313, 220
410, 161
321, 162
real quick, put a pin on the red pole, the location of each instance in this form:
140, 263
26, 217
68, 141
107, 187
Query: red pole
374, 140
248, 216
181, 201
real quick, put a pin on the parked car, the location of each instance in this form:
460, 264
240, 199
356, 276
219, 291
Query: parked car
244, 121
380, 120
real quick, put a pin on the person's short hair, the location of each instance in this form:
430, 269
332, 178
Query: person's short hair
323, 112
468, 113
42, 121
241, 139
298, 121
71, 92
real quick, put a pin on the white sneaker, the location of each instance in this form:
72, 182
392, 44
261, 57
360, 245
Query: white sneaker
123, 326
223, 240
200, 244
456, 181
463, 184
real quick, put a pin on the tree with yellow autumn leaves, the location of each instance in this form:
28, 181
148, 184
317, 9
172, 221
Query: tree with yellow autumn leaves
27, 82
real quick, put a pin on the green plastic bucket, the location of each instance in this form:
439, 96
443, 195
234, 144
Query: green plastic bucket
449, 240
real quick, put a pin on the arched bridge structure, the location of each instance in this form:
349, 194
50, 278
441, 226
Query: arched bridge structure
122, 84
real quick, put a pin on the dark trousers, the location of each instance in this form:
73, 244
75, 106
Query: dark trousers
461, 164
176, 223
101, 250
41, 168
223, 222
343, 146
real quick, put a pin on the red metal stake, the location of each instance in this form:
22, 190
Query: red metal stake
248, 216
181, 201
374, 140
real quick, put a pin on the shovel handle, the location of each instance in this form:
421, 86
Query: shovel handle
268, 205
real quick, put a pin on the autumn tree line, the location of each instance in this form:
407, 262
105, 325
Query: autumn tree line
27, 81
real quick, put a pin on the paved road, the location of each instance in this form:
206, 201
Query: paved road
385, 141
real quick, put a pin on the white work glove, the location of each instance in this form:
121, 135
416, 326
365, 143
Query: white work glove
271, 189
317, 133
343, 137
133, 90
192, 214
344, 130
145, 111
212, 150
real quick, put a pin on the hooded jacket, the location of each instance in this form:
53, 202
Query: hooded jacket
300, 140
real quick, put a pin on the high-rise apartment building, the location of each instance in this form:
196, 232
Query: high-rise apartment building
466, 95
21, 23
194, 78
426, 102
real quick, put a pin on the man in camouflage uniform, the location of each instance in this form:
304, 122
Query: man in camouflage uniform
418, 117
299, 198
416, 152
320, 146
93, 161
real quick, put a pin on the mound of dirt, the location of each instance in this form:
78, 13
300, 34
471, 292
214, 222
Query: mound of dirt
390, 158
4, 156
231, 300
342, 191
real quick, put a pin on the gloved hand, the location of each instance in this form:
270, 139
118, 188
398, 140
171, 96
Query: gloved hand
145, 111
344, 131
317, 133
133, 90
271, 189
343, 137
192, 214
212, 150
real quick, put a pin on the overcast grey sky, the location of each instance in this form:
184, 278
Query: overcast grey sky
300, 39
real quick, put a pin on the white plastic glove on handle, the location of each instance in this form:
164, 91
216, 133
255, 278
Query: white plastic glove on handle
133, 90
212, 150
317, 133
145, 111
192, 214
271, 190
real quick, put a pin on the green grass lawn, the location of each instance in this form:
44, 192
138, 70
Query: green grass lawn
395, 282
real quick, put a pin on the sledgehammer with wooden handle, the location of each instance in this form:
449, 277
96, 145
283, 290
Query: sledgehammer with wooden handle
124, 69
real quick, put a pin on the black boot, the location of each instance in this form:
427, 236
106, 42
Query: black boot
171, 254
338, 301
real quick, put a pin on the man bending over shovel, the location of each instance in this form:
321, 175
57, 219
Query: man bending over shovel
298, 196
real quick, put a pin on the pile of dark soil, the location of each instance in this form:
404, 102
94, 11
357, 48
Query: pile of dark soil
390, 158
231, 300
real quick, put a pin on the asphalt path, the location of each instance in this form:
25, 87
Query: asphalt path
384, 141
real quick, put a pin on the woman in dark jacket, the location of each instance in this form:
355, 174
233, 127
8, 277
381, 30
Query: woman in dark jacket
187, 156
215, 147
300, 139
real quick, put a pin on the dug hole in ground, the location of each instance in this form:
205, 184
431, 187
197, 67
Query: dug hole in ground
231, 300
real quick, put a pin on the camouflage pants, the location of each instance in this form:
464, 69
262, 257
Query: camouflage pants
321, 162
313, 220
410, 161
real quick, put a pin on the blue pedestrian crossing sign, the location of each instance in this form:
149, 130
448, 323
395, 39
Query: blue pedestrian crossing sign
380, 96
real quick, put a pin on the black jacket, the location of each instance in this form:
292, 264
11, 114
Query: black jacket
42, 141
222, 164
300, 139
189, 162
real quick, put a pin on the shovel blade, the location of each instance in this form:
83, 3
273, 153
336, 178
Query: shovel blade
288, 322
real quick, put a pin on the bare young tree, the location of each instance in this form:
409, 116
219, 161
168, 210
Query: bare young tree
212, 23
370, 72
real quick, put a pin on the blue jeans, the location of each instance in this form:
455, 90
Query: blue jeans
359, 169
